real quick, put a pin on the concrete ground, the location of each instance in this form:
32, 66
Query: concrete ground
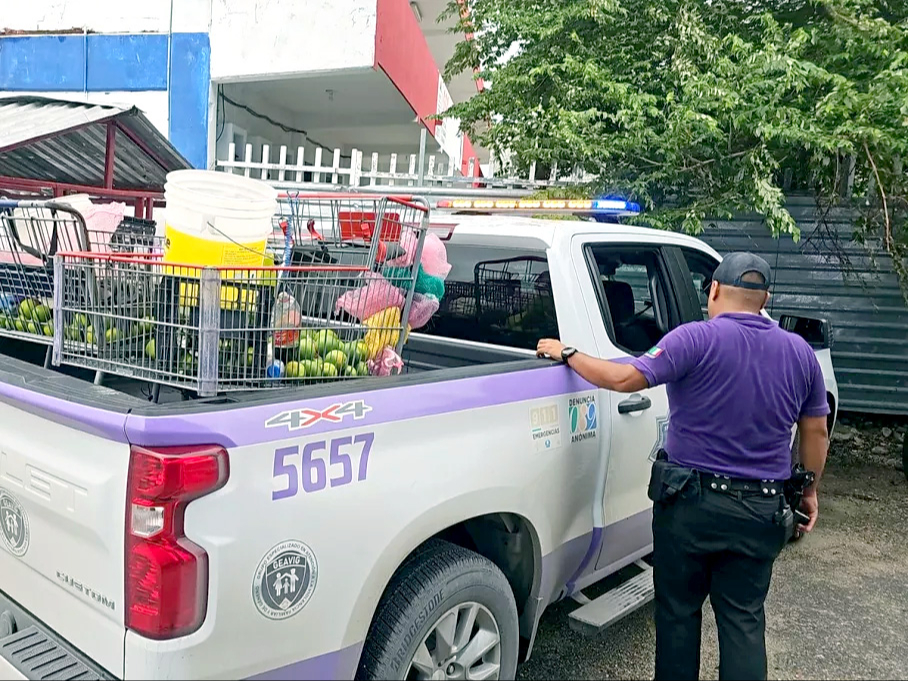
837, 608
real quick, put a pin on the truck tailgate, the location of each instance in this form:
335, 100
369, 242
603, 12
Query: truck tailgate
63, 474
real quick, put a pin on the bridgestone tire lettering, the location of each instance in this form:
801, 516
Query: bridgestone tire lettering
432, 580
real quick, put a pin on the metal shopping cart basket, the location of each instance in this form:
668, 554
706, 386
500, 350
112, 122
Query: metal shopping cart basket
31, 234
341, 298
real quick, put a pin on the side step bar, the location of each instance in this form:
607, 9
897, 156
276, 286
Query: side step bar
594, 617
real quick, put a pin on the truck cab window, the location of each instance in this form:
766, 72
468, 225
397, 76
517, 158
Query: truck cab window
701, 266
496, 296
634, 296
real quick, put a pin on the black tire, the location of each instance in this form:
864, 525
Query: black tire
435, 578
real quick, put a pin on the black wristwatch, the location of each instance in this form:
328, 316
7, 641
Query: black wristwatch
567, 353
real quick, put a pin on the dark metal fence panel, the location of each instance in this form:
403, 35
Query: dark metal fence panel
827, 274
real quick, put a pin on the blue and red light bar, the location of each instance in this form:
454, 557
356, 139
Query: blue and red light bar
593, 206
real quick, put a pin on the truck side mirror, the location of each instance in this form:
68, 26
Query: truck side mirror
815, 331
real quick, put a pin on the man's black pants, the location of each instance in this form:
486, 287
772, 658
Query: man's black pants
707, 543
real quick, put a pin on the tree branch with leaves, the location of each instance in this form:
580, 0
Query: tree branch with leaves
701, 108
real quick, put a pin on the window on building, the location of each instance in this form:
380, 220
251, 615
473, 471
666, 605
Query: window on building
496, 296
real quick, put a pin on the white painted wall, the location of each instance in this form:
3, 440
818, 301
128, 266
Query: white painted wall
152, 104
109, 16
260, 39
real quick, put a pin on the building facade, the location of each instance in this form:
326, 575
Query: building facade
305, 74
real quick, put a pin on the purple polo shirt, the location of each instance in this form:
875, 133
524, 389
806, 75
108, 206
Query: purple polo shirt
736, 385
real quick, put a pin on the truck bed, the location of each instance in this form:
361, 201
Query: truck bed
427, 359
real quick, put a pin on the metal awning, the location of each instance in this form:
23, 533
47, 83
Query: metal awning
55, 141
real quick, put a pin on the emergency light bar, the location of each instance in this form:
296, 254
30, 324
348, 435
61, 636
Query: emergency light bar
595, 206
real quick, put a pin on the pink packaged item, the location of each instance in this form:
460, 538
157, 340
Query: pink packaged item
387, 363
375, 296
434, 257
408, 242
421, 310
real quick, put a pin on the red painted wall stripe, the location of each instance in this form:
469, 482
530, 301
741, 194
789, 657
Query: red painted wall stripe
401, 51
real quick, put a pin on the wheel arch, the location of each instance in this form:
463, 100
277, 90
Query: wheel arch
509, 538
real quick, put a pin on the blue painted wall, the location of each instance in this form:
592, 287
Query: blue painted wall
190, 86
120, 63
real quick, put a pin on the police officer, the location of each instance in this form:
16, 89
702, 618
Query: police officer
736, 384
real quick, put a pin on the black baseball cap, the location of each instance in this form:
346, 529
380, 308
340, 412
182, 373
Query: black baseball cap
735, 265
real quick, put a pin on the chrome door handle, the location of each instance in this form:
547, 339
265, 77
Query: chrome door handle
638, 403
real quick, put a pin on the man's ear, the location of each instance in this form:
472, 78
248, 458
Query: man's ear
766, 300
714, 291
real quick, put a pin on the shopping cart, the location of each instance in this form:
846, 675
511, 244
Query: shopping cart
31, 234
338, 304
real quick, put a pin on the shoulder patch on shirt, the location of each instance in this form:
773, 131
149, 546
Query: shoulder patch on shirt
654, 351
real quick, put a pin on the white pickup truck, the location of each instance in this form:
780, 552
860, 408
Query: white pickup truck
211, 538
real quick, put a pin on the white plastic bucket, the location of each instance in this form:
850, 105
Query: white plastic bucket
215, 218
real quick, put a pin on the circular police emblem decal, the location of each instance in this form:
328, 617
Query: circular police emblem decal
13, 524
284, 580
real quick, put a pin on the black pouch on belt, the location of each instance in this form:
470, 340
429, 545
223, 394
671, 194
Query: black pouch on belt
667, 480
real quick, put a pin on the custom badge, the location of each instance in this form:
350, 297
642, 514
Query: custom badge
13, 524
284, 580
654, 352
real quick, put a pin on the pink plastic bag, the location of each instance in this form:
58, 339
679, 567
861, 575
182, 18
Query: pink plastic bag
387, 363
434, 257
375, 296
408, 242
421, 310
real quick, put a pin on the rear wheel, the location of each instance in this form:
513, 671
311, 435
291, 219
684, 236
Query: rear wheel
448, 613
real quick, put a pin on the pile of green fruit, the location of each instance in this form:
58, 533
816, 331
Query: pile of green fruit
322, 354
30, 316
81, 329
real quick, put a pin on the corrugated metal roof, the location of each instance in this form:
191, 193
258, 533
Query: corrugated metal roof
56, 140
827, 274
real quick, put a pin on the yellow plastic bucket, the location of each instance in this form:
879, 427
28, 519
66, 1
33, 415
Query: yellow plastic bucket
217, 219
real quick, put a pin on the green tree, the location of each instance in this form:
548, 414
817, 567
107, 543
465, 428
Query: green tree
701, 108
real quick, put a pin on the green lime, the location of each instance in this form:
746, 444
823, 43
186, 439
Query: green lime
326, 341
112, 335
294, 370
81, 320
146, 325
32, 328
350, 371
329, 370
41, 313
337, 358
150, 349
308, 348
27, 308
357, 351
48, 329
362, 369
90, 335
19, 324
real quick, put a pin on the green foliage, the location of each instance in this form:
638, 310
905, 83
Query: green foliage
701, 108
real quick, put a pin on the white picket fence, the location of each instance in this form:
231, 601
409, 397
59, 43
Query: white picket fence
340, 170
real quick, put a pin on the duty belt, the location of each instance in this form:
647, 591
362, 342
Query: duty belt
740, 487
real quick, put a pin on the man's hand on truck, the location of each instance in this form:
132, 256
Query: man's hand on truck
622, 378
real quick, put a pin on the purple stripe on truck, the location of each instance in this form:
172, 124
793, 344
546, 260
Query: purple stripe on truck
340, 664
106, 424
246, 426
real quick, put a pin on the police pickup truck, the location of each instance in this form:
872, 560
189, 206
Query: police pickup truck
413, 526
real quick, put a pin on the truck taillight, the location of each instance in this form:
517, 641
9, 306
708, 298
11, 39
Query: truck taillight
166, 574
